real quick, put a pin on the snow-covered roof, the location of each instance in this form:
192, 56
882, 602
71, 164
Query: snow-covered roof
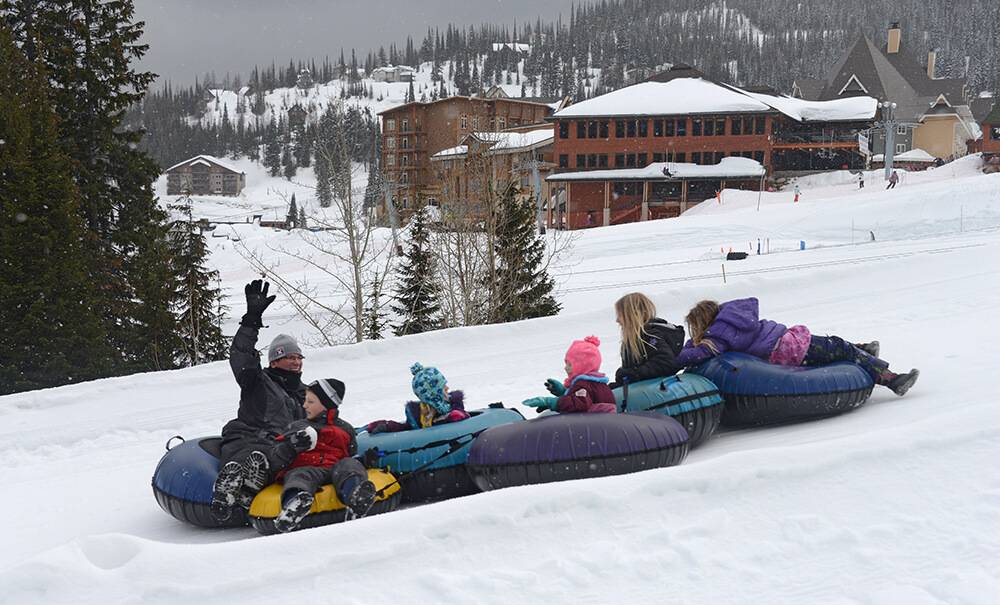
729, 168
396, 68
683, 96
913, 155
836, 110
676, 97
203, 159
502, 142
515, 46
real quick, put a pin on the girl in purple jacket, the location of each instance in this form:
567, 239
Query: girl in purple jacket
734, 326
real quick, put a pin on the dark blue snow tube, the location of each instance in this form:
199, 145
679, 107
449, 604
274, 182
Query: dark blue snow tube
183, 482
560, 447
692, 400
437, 454
758, 392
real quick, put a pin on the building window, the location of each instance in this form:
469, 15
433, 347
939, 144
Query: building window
581, 130
669, 128
759, 156
563, 160
720, 127
719, 155
758, 125
406, 202
643, 128
995, 133
390, 124
696, 128
736, 126
900, 147
631, 128
604, 129
464, 122
502, 122
901, 130
404, 178
404, 124
404, 143
657, 128
563, 130
619, 160
657, 157
390, 143
682, 127
581, 160
591, 130
627, 188
680, 157
709, 127
592, 160
602, 161
643, 160
630, 160
390, 160
696, 157
404, 160
620, 129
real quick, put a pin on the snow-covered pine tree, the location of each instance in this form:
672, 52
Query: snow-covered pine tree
272, 149
523, 287
198, 297
292, 218
288, 160
417, 296
375, 320
302, 223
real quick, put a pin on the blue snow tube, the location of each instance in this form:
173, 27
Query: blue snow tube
560, 447
184, 479
430, 462
758, 392
692, 400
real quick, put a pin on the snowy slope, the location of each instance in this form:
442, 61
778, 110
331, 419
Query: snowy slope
897, 502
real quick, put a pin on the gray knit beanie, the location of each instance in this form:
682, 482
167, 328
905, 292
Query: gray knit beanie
283, 345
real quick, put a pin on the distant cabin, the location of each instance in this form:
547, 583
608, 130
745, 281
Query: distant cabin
204, 175
394, 73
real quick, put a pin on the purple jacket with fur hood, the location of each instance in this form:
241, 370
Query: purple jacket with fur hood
738, 328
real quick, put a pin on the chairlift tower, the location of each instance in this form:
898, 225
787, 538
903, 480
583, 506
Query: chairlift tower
889, 124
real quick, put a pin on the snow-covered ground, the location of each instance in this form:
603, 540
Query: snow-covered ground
897, 502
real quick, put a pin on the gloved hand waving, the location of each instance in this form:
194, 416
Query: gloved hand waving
257, 302
555, 387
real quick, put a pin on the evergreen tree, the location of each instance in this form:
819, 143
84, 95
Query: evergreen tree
86, 49
288, 161
292, 218
272, 150
523, 287
375, 321
198, 301
50, 334
417, 297
302, 222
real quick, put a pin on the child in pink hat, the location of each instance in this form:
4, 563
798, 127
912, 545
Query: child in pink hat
585, 388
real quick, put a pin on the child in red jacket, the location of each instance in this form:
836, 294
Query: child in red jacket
585, 388
328, 460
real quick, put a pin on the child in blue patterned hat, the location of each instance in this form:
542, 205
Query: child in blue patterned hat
435, 404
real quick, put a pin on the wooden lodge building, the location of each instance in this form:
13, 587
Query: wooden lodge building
414, 132
204, 175
991, 132
654, 149
498, 156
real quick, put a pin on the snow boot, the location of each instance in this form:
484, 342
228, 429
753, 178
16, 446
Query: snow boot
361, 499
902, 382
293, 511
256, 470
225, 493
872, 348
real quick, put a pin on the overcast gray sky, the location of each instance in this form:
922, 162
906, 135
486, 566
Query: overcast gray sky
188, 38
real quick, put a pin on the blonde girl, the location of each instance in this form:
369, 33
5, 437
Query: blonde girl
649, 344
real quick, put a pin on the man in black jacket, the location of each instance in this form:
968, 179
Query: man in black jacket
270, 400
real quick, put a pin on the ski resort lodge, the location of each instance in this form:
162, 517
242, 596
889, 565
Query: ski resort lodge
204, 175
654, 149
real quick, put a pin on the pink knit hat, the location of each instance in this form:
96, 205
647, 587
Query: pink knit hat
584, 356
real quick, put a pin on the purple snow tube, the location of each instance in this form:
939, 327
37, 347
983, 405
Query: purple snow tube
560, 447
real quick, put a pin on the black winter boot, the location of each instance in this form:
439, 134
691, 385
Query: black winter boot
902, 382
872, 348
293, 511
256, 471
361, 499
225, 493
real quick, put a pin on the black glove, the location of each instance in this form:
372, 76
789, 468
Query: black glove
623, 375
371, 457
257, 301
303, 439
